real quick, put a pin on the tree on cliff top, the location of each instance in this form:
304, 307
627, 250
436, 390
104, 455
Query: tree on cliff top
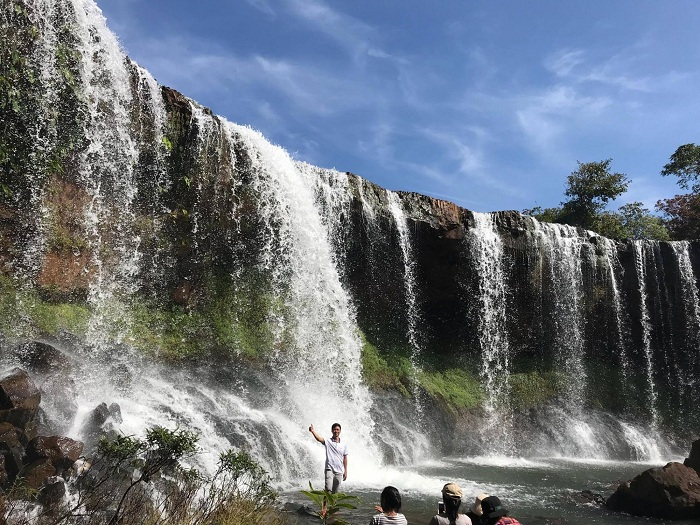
685, 164
590, 188
683, 211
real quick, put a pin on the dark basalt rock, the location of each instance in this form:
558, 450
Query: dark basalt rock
102, 421
36, 472
18, 392
62, 451
52, 491
22, 452
42, 358
669, 492
693, 460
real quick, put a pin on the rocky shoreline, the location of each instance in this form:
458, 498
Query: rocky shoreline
668, 492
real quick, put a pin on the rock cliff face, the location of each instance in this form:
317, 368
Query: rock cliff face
131, 214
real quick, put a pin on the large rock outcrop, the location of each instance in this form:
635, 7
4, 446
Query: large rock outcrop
23, 453
669, 492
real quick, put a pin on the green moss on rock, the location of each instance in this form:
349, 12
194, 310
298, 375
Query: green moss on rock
456, 389
532, 389
379, 374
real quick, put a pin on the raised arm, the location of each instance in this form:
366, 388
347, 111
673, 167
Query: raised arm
318, 437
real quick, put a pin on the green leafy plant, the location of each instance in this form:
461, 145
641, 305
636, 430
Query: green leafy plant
141, 481
330, 504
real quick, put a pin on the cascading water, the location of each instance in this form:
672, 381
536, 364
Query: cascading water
299, 219
409, 280
493, 336
561, 246
320, 365
690, 299
107, 171
612, 262
333, 200
640, 265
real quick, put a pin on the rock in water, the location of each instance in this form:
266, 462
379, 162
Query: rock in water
670, 492
693, 460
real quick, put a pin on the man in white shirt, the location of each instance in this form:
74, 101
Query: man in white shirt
336, 467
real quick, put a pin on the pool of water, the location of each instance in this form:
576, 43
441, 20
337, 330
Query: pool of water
536, 491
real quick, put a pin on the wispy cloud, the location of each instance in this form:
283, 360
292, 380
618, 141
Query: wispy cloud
563, 62
545, 116
262, 5
616, 70
198, 67
351, 34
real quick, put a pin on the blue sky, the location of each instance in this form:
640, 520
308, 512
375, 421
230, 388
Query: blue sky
488, 104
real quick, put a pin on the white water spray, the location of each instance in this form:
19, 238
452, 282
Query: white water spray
640, 265
493, 335
561, 246
409, 280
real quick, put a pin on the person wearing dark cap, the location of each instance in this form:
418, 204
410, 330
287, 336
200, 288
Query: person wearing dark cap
495, 513
452, 499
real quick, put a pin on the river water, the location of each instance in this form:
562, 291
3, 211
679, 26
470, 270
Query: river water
536, 491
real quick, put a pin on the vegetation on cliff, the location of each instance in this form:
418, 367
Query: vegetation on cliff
589, 190
147, 481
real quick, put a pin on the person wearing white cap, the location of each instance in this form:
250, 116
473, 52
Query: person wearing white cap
452, 498
475, 512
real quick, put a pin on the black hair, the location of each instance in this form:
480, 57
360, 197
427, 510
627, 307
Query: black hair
336, 425
451, 508
391, 499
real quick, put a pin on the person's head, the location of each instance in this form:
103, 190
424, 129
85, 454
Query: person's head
391, 499
492, 508
476, 507
335, 429
452, 497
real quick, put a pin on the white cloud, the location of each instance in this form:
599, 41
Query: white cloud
563, 62
262, 5
544, 117
348, 32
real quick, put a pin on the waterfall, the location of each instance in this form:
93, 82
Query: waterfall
687, 369
320, 366
409, 280
562, 250
640, 265
333, 199
166, 192
612, 262
493, 335
107, 172
413, 317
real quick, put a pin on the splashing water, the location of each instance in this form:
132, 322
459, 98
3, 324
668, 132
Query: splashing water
409, 280
493, 336
561, 246
640, 265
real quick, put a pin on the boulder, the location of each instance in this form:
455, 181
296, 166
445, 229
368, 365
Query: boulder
36, 472
102, 421
62, 451
19, 398
18, 391
10, 434
12, 459
42, 358
52, 491
693, 460
669, 492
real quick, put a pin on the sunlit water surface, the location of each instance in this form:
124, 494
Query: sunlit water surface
536, 490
